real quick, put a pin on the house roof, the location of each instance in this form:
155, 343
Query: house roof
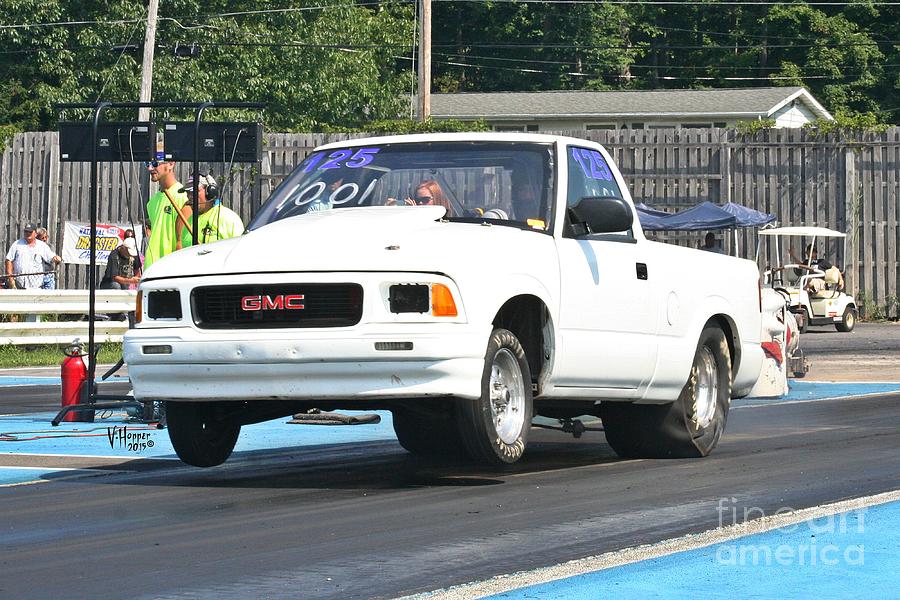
734, 103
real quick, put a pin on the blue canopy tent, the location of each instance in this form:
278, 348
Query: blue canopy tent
650, 218
747, 217
651, 211
704, 216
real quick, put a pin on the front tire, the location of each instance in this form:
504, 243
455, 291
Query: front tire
432, 433
495, 427
848, 320
691, 426
201, 433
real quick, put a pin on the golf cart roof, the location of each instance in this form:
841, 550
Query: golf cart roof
807, 231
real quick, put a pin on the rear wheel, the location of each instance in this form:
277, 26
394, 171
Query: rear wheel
848, 321
689, 427
201, 432
495, 427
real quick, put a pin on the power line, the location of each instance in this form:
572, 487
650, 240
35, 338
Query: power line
630, 77
198, 17
646, 46
121, 54
667, 2
633, 65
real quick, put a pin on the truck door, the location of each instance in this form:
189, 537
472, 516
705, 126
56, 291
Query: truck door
608, 309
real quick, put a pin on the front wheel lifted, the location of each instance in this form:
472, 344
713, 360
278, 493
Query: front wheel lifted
494, 427
201, 432
431, 433
689, 427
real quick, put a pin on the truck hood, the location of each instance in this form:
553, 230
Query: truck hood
349, 239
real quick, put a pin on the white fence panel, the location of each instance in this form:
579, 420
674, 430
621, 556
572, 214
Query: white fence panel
56, 302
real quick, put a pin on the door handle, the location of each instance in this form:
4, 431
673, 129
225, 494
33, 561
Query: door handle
641, 269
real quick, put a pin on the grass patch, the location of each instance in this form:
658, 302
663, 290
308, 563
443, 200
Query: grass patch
51, 355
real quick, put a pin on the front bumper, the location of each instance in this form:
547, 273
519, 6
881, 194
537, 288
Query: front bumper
446, 359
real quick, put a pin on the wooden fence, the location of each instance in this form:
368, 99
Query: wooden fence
849, 183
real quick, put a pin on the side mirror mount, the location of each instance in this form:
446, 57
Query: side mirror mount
602, 214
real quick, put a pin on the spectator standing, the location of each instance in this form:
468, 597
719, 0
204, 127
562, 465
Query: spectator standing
166, 235
25, 263
216, 222
25, 260
49, 276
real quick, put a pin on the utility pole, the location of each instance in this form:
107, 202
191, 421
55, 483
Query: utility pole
425, 60
147, 66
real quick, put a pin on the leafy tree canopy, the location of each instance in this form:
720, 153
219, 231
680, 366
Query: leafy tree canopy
342, 64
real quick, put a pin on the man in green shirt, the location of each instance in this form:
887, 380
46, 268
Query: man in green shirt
162, 210
216, 222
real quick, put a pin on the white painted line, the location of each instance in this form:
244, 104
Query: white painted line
123, 458
82, 472
506, 583
776, 402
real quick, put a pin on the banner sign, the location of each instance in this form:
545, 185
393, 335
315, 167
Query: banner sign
77, 241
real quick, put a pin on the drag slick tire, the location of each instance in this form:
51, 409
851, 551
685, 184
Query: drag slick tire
429, 429
494, 427
202, 434
691, 426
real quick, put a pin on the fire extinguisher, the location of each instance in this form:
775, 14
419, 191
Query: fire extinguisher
74, 380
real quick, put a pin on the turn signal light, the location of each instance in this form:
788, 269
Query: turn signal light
442, 304
138, 307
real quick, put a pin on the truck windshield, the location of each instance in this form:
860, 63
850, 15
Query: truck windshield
505, 182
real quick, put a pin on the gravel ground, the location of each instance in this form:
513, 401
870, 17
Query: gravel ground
871, 352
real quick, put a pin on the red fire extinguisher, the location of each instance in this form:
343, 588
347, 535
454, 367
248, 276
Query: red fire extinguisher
74, 379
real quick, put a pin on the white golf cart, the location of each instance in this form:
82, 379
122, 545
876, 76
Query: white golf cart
813, 303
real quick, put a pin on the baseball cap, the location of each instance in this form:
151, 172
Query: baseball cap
29, 227
205, 181
131, 246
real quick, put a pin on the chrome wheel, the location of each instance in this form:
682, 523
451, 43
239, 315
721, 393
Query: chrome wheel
707, 390
507, 396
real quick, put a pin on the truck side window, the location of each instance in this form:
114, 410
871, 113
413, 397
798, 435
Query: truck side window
590, 175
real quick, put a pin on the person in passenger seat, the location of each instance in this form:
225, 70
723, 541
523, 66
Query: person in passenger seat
811, 262
427, 193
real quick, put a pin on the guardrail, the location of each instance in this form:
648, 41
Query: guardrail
63, 302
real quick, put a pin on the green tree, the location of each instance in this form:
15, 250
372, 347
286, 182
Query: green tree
832, 47
324, 62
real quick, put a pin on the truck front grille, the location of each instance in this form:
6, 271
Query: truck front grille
269, 306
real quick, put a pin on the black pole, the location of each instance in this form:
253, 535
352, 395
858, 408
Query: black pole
196, 174
98, 108
92, 272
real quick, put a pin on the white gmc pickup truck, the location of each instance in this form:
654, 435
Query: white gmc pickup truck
465, 282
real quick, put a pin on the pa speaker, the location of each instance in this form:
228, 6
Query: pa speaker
124, 141
219, 142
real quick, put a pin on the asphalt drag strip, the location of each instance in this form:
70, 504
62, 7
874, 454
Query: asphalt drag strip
356, 517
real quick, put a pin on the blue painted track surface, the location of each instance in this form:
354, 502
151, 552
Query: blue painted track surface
851, 555
33, 434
